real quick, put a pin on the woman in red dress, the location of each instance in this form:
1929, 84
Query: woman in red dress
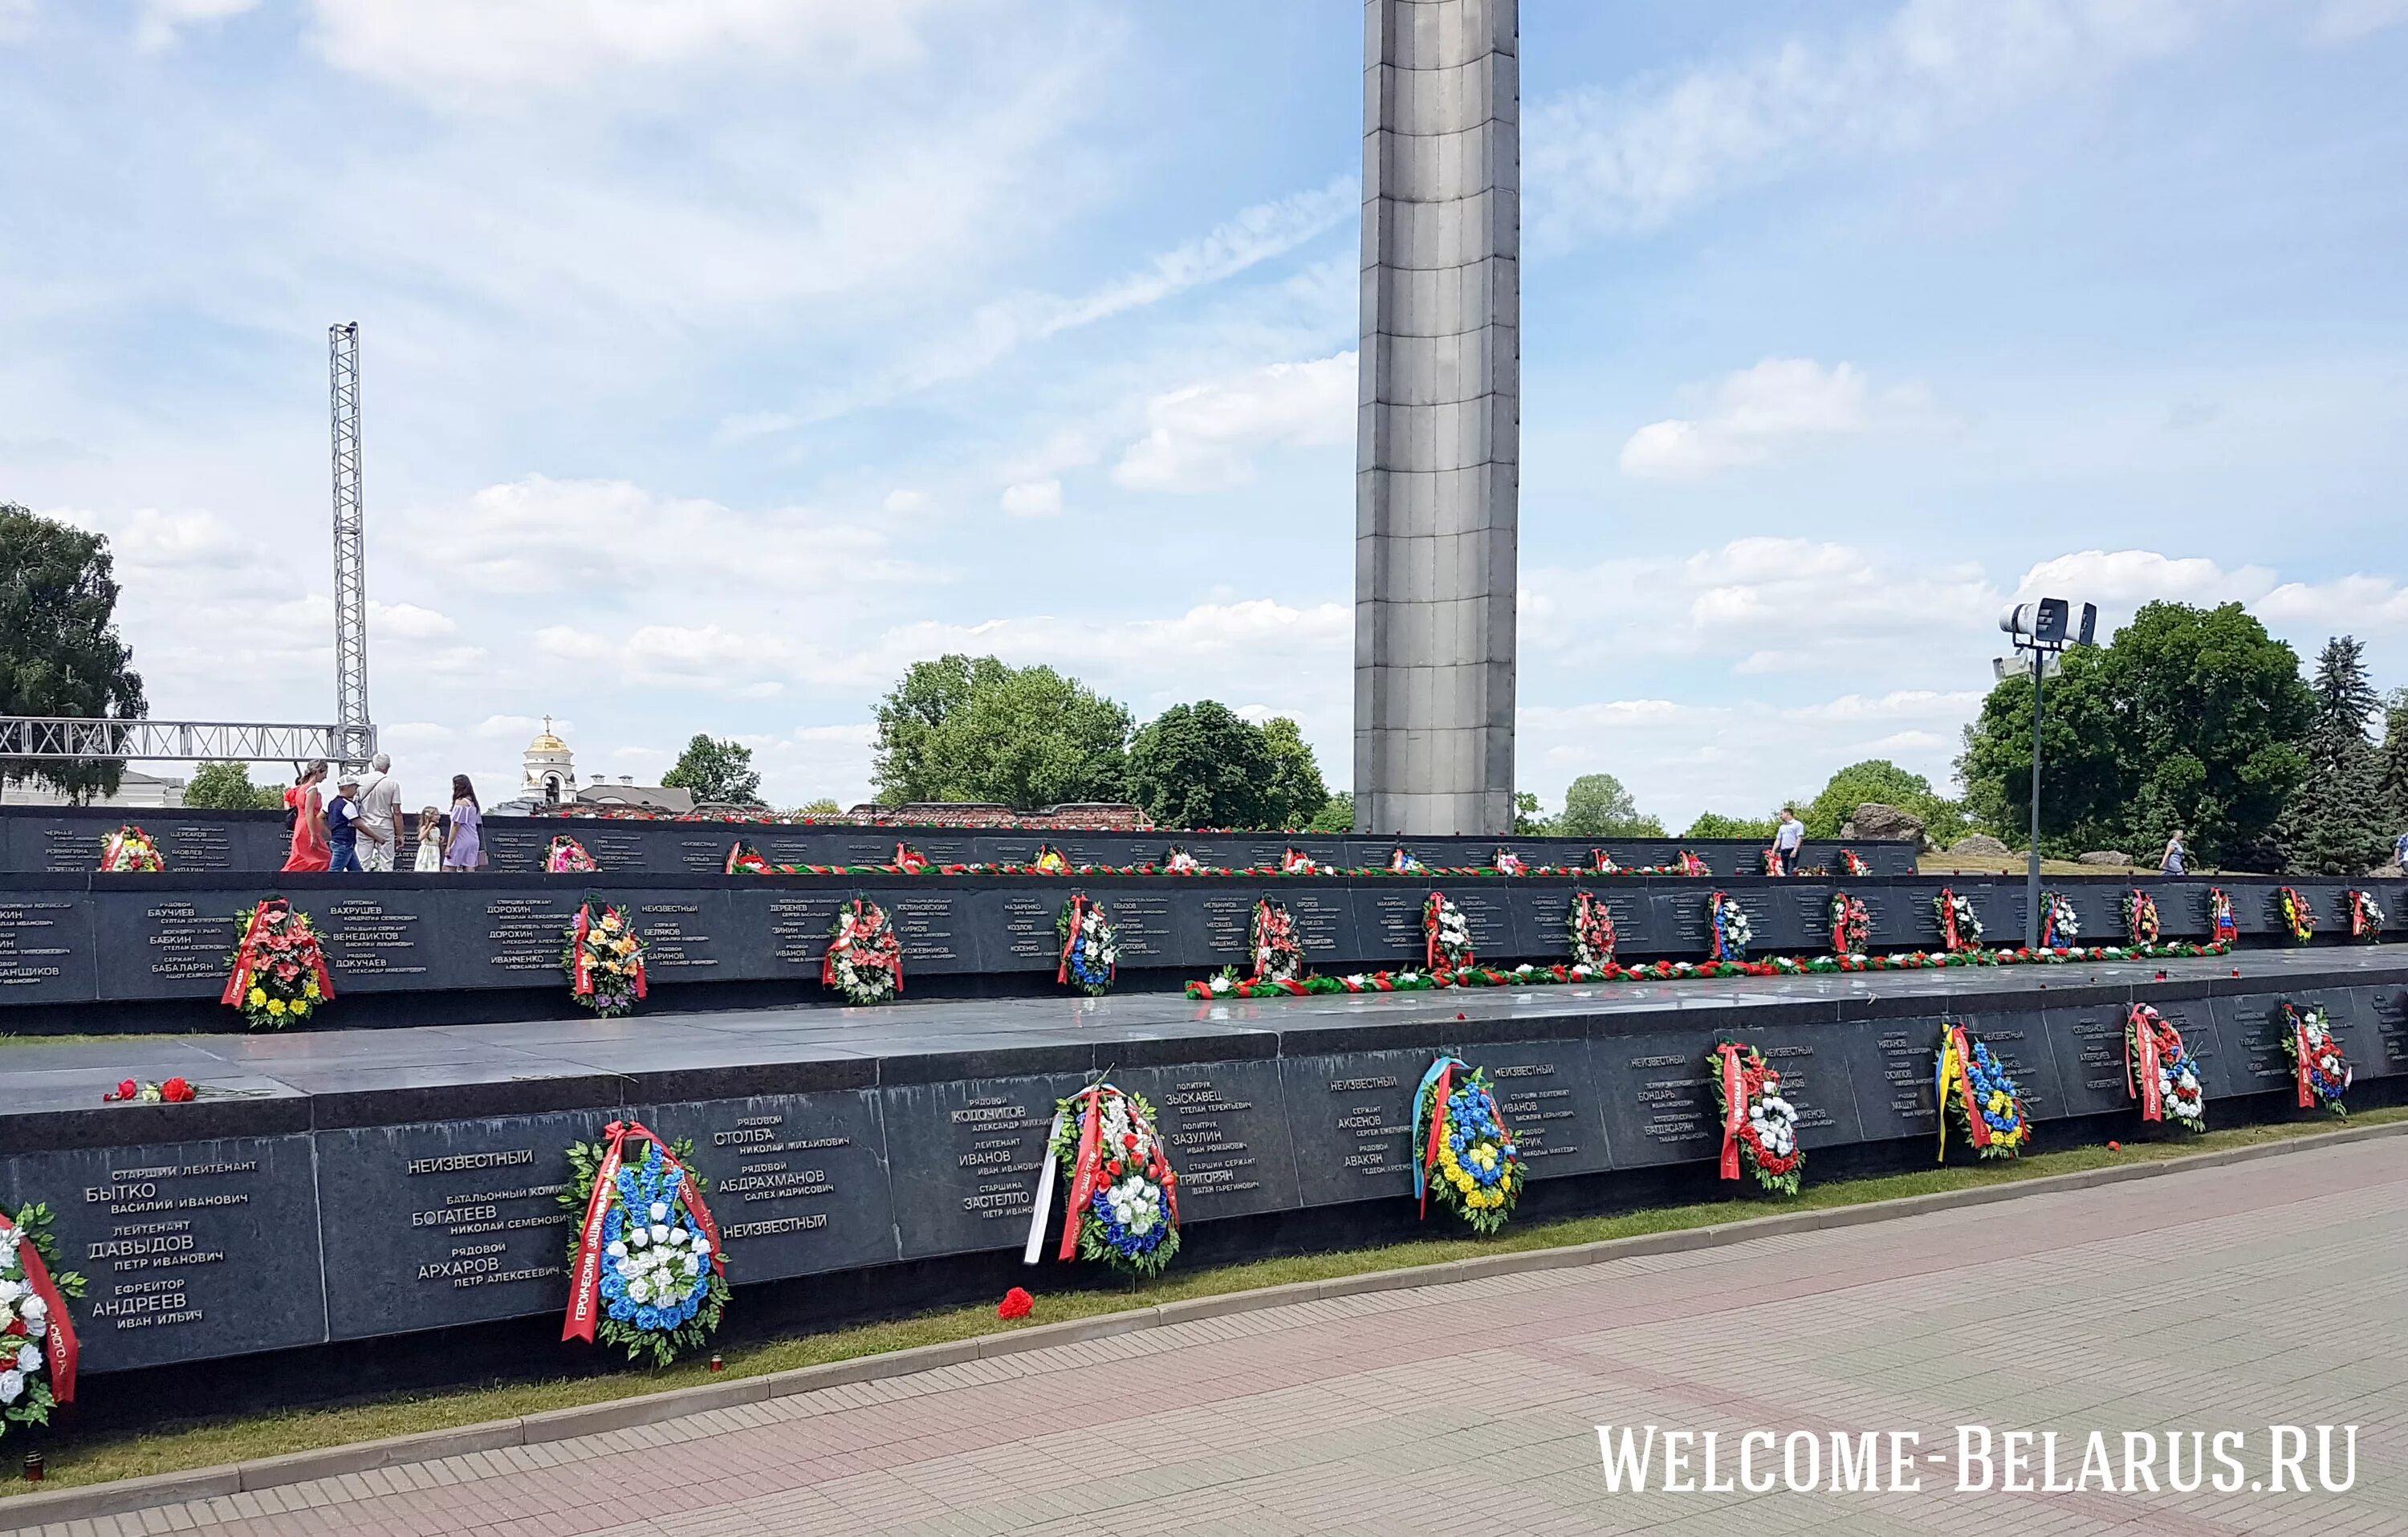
311, 851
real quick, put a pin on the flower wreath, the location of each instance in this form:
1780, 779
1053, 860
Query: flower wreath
1177, 861
646, 1265
2058, 923
2160, 1072
1121, 1197
1048, 860
279, 968
1728, 926
1851, 863
864, 959
604, 958
1975, 1088
1600, 862
1446, 934
910, 861
2365, 917
2318, 1064
2298, 916
1506, 862
1091, 946
2223, 928
1852, 925
1466, 1153
567, 856
1401, 861
1590, 927
39, 1369
1692, 864
1759, 1126
744, 859
1294, 861
1278, 956
1961, 927
129, 851
2141, 926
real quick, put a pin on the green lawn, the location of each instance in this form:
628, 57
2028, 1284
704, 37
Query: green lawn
172, 1448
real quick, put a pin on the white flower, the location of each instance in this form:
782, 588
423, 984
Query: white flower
617, 1251
638, 1237
660, 1232
660, 1212
678, 1235
639, 1289
12, 1385
11, 1291
1219, 984
29, 1358
701, 1244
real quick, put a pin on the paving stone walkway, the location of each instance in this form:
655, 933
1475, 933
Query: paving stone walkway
2274, 1292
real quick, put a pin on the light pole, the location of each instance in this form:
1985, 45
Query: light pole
2040, 630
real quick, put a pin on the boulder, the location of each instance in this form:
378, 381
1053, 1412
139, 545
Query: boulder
2104, 856
1983, 844
1878, 824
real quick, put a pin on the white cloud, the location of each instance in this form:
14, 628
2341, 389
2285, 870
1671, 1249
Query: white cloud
904, 503
160, 19
1606, 160
1033, 500
1204, 437
2346, 21
1758, 410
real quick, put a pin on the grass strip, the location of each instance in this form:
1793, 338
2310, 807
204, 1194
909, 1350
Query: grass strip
172, 1448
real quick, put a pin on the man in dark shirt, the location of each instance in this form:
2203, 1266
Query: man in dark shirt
343, 827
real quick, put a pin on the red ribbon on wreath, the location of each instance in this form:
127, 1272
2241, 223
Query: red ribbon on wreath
583, 983
1957, 1068
2151, 1040
248, 953
59, 1348
1948, 919
1078, 905
1433, 912
585, 1275
1734, 1105
1086, 1173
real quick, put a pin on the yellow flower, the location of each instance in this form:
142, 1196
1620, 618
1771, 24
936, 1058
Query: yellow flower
300, 1009
625, 946
309, 988
276, 1006
258, 998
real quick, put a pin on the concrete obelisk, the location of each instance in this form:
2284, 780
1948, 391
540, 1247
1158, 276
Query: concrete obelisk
1437, 430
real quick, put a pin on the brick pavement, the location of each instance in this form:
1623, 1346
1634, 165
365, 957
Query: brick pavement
2261, 1293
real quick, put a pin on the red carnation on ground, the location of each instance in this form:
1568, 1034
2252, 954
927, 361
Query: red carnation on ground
126, 1089
1016, 1303
176, 1091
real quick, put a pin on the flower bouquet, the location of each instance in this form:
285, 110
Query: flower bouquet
1121, 1197
1691, 863
1961, 927
567, 856
37, 1338
1279, 957
1446, 934
129, 851
175, 1091
2298, 919
1851, 926
1590, 929
1091, 947
2140, 924
646, 1268
1294, 861
2059, 924
2223, 928
1728, 925
1759, 1126
1506, 862
1177, 861
1466, 1153
1048, 861
1401, 862
2318, 1063
2365, 917
278, 968
910, 861
1851, 863
744, 859
865, 960
2160, 1072
604, 958
1975, 1092
1601, 863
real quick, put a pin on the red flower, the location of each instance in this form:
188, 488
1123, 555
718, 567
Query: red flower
1016, 1303
126, 1089
176, 1091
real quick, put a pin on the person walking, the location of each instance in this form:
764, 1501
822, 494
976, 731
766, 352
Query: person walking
1788, 840
2172, 862
306, 816
430, 841
380, 816
464, 849
2399, 850
343, 827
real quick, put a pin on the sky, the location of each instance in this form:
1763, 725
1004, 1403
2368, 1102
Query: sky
721, 359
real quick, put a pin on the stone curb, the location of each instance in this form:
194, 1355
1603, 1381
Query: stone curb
129, 1494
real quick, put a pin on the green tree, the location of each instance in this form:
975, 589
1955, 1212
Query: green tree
2393, 777
824, 806
716, 769
1205, 766
1336, 814
1715, 825
1597, 806
1530, 817
227, 787
964, 728
2189, 718
2335, 823
60, 652
1880, 780
1298, 793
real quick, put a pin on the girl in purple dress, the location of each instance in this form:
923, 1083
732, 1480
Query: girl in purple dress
466, 849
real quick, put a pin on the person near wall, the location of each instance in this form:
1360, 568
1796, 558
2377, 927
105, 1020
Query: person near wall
2172, 862
1788, 840
466, 848
379, 815
430, 841
343, 827
309, 820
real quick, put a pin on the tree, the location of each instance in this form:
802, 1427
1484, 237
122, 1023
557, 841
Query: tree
960, 728
2189, 718
1297, 794
1205, 766
60, 652
227, 787
1530, 817
1880, 780
1715, 825
1596, 806
716, 769
2393, 777
824, 806
2335, 825
1336, 814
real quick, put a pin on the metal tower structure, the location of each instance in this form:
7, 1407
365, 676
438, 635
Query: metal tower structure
354, 737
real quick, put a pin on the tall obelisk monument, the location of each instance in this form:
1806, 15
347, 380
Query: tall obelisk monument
1437, 428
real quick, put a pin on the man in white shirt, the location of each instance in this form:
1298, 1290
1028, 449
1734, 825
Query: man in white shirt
1787, 839
380, 812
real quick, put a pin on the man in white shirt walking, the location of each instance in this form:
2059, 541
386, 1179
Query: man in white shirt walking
1787, 840
379, 815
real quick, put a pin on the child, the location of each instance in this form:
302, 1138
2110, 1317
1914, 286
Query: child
343, 826
430, 841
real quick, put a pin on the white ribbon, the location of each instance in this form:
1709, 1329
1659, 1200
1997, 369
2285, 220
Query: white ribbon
1043, 1209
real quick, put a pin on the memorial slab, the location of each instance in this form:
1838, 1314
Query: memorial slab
1351, 1116
964, 1156
797, 1182
1224, 1126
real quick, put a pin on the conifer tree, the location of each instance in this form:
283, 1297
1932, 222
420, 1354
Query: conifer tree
2336, 824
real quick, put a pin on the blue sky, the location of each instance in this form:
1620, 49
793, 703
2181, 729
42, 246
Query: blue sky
723, 358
